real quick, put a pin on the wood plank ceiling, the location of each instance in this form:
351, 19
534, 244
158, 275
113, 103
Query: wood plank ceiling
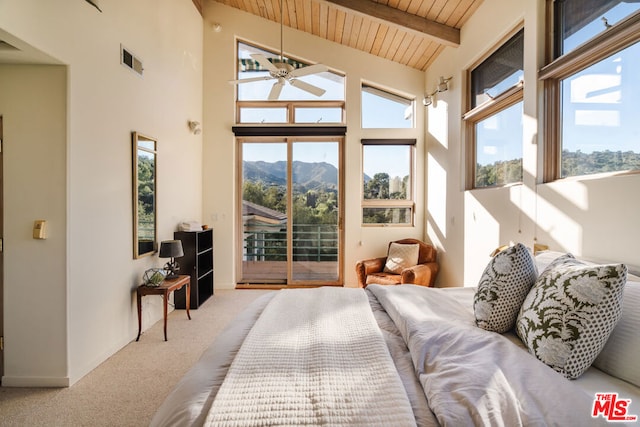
410, 32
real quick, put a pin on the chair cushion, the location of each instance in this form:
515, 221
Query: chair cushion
504, 285
401, 256
383, 279
570, 312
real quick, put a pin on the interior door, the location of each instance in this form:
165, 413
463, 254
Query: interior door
291, 211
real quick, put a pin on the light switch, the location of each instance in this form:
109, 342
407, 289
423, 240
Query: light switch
40, 229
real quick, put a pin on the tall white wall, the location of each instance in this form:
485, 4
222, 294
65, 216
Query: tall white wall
78, 286
590, 217
219, 151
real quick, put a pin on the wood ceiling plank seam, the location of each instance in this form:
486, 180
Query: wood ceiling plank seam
355, 31
422, 62
291, 14
402, 47
315, 18
300, 14
324, 19
371, 36
363, 35
475, 4
410, 50
417, 54
380, 37
432, 54
414, 6
447, 10
395, 43
341, 16
435, 9
263, 6
423, 9
308, 18
403, 5
253, 7
393, 3
346, 29
386, 43
331, 23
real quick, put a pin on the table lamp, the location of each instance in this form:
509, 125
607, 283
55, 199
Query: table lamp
171, 249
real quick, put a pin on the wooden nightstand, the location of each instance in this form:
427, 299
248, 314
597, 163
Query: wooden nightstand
165, 288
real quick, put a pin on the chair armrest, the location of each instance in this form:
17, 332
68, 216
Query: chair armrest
421, 274
368, 266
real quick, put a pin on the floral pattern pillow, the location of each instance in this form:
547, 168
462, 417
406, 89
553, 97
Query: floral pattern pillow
504, 285
570, 312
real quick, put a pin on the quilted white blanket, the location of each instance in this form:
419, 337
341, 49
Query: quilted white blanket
314, 357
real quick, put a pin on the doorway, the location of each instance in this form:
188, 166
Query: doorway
290, 211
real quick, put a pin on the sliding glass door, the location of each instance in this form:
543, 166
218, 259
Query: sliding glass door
290, 211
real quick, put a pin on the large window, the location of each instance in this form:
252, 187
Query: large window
293, 105
387, 192
494, 119
592, 90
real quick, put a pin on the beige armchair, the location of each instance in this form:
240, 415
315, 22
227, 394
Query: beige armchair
424, 273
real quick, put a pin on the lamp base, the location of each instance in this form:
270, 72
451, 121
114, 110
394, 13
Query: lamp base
172, 268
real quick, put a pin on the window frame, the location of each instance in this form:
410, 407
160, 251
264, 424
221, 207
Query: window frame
409, 202
389, 94
488, 108
615, 39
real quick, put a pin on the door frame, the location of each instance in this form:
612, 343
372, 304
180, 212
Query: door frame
289, 140
1, 255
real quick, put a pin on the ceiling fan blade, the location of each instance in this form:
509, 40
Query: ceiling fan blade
311, 69
307, 87
262, 60
251, 79
276, 89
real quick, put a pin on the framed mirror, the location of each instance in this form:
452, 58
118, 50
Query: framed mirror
144, 195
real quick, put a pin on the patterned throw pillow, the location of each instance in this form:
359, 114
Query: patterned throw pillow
401, 256
570, 312
503, 287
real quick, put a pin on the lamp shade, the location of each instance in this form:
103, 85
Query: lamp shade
171, 249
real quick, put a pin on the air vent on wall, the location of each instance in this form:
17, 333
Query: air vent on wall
130, 61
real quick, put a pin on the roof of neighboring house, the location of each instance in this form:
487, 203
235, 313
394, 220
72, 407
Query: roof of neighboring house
262, 213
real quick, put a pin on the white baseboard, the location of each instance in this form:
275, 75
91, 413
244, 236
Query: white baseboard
8, 381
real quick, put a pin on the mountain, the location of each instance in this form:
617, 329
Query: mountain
308, 176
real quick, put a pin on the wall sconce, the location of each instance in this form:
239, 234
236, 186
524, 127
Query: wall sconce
443, 86
194, 127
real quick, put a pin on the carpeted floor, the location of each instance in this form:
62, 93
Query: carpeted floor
127, 388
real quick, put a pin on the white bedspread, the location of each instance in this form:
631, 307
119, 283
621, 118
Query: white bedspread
474, 377
314, 357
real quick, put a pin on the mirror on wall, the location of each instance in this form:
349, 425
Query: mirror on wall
144, 195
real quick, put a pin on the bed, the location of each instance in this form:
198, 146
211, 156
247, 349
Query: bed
400, 355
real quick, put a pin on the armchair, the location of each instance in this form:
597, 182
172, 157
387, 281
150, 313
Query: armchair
424, 273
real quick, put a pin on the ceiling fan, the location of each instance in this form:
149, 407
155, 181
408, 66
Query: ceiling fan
284, 72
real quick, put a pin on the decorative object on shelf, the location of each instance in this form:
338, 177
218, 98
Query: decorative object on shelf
171, 249
190, 226
154, 276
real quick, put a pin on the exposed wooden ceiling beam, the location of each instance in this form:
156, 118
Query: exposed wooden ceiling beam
444, 34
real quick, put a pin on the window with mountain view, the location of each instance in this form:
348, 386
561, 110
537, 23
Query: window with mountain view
494, 121
592, 89
387, 185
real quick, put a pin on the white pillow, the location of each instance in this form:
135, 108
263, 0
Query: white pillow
504, 285
570, 312
619, 357
401, 256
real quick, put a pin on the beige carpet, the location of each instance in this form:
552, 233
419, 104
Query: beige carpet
127, 388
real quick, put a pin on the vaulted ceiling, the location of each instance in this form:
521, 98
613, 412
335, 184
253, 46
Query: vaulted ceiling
410, 32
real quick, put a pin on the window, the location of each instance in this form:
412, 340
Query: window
387, 185
591, 91
494, 121
383, 109
294, 105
